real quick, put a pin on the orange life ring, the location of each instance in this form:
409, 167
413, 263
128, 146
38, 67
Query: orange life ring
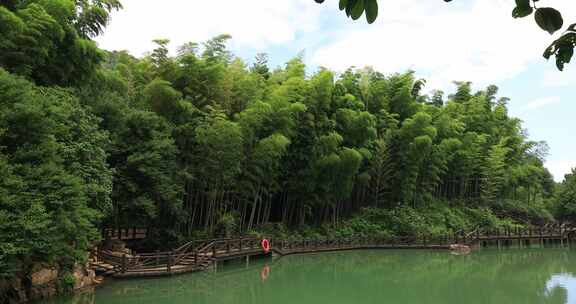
265, 245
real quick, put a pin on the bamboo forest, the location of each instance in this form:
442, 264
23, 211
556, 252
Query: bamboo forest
192, 142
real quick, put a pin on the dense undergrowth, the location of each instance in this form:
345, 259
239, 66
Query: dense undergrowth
435, 220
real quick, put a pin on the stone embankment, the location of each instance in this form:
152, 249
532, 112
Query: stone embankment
46, 282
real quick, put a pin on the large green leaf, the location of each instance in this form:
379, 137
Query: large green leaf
342, 4
563, 49
549, 19
564, 56
357, 10
522, 9
371, 7
349, 6
520, 12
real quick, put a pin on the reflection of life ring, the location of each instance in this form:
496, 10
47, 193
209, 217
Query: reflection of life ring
265, 245
265, 272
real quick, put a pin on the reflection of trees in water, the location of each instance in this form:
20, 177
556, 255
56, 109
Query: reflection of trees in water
201, 287
86, 296
514, 276
509, 276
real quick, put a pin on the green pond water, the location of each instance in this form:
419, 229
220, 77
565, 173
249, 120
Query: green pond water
510, 276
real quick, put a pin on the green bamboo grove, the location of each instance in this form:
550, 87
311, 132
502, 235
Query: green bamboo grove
203, 144
203, 140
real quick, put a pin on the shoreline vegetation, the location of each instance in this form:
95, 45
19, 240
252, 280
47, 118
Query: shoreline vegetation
201, 144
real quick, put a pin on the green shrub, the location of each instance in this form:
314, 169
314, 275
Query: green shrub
66, 283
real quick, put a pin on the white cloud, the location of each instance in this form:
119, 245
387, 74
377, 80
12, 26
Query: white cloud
479, 41
541, 102
559, 168
256, 23
474, 40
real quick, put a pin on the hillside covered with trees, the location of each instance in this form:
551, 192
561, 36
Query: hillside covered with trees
202, 144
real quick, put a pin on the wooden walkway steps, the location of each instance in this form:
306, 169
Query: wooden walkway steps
202, 254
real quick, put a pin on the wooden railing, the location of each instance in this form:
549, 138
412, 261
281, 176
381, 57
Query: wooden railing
190, 256
541, 232
132, 233
360, 242
198, 254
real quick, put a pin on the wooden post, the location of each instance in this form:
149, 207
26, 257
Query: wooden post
94, 254
157, 257
133, 233
540, 231
214, 249
228, 246
169, 265
240, 244
196, 257
124, 263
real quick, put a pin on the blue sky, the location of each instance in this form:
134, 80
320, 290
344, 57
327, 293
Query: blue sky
474, 40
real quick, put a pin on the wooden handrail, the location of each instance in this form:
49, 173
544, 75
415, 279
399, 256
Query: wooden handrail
201, 251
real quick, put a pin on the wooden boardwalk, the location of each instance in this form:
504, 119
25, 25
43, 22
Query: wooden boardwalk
203, 254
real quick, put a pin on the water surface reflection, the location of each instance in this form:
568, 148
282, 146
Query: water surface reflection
515, 276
